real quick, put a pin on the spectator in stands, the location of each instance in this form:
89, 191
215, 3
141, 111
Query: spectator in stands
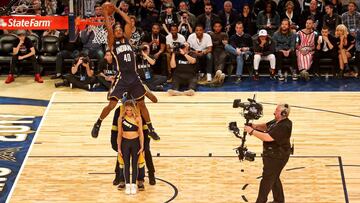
290, 14
305, 47
264, 49
149, 15
346, 44
219, 39
284, 39
185, 71
248, 20
174, 39
319, 5
90, 48
357, 53
331, 19
68, 49
54, 33
351, 19
157, 43
185, 28
124, 7
144, 61
282, 7
268, 19
168, 18
208, 18
50, 6
337, 6
82, 73
260, 5
98, 10
107, 71
201, 45
196, 7
36, 8
313, 13
24, 50
229, 17
136, 33
326, 48
240, 45
190, 18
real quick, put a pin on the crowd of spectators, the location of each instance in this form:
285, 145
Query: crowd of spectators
292, 35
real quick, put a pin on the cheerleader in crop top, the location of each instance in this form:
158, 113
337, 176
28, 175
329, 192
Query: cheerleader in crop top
130, 143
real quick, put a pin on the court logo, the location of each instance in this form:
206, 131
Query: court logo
17, 132
8, 154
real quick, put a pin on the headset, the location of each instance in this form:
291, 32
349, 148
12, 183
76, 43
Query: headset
285, 112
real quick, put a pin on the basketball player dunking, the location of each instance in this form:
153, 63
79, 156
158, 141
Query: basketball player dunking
127, 79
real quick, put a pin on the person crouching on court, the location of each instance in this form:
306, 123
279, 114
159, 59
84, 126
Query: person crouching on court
130, 143
82, 73
184, 64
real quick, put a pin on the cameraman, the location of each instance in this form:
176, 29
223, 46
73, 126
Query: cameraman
276, 151
82, 73
184, 64
144, 61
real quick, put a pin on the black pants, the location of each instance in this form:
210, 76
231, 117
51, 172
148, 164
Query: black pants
148, 156
160, 66
154, 81
79, 84
357, 61
271, 180
204, 63
130, 149
279, 61
64, 54
332, 54
219, 59
190, 82
15, 62
103, 82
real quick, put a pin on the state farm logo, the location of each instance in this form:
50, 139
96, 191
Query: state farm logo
2, 23
24, 23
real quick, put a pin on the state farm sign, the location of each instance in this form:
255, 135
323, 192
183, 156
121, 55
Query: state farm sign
34, 22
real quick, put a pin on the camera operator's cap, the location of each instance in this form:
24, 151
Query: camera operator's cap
263, 33
21, 32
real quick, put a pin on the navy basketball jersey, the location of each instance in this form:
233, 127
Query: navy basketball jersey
125, 57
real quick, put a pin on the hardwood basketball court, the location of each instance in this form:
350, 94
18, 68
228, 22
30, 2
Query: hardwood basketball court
194, 160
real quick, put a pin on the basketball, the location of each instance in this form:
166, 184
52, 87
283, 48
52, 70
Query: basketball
108, 8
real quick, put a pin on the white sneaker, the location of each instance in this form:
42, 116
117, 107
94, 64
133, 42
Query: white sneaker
208, 77
71, 85
172, 92
133, 189
217, 75
222, 78
189, 92
128, 189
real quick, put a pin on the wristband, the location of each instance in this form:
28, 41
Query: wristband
251, 133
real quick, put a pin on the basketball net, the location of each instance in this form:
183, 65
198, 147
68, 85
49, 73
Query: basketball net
100, 34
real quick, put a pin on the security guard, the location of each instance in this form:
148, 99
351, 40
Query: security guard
276, 152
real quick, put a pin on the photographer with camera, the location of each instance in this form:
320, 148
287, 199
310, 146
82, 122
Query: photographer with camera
144, 62
173, 41
275, 135
81, 75
184, 64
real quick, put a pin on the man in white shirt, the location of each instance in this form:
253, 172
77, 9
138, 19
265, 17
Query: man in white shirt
201, 46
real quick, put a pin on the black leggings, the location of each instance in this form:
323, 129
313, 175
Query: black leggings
130, 147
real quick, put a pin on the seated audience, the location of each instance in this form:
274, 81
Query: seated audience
264, 49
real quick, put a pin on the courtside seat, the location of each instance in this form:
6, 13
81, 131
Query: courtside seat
7, 43
49, 49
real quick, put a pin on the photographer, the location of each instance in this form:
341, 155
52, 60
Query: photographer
144, 61
185, 71
81, 74
108, 70
276, 151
